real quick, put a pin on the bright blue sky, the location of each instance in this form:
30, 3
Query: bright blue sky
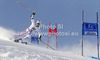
66, 12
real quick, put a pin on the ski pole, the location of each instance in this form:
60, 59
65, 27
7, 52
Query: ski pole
25, 6
48, 45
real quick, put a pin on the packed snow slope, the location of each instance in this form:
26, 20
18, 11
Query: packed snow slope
17, 51
10, 50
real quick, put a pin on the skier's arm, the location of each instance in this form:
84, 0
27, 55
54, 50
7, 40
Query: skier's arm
32, 21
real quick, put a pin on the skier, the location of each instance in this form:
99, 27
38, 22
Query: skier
32, 29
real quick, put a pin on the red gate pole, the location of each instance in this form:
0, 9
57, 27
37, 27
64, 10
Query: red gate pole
56, 37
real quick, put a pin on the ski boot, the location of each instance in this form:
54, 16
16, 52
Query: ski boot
24, 43
17, 40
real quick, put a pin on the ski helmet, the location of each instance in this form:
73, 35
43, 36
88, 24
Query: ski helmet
38, 22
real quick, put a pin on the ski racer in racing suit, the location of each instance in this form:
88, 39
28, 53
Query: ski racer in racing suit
31, 30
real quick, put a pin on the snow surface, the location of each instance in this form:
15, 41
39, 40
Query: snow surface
16, 51
10, 50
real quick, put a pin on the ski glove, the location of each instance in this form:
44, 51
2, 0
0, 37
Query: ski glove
32, 16
39, 38
34, 12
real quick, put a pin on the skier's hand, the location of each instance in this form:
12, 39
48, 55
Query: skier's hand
34, 12
39, 38
32, 16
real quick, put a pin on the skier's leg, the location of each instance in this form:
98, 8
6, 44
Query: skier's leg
24, 39
37, 40
32, 39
